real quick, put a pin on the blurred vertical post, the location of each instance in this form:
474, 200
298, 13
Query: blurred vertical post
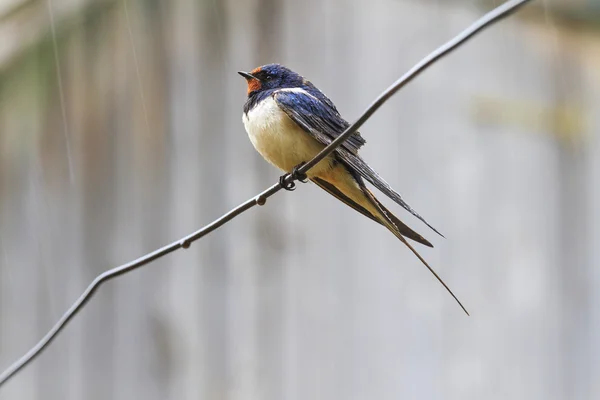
213, 172
575, 267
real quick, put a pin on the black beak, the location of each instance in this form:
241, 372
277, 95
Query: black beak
247, 75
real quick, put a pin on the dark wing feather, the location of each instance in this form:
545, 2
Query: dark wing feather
368, 173
404, 229
324, 123
317, 118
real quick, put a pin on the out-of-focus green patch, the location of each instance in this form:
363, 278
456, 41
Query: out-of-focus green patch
584, 14
568, 122
30, 81
80, 20
23, 96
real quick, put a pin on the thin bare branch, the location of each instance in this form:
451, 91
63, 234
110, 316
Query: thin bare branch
484, 22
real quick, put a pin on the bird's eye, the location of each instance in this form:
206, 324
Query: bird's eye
269, 77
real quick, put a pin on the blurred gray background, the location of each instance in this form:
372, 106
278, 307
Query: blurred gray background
120, 131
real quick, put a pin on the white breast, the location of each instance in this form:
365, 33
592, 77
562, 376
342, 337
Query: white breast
279, 140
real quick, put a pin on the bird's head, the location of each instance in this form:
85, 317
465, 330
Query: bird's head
271, 76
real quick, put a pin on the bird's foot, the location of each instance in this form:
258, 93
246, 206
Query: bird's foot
295, 175
301, 176
291, 186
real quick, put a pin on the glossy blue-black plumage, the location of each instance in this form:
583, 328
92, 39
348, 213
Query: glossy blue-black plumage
315, 117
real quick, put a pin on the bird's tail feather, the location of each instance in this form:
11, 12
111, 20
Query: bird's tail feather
395, 225
403, 228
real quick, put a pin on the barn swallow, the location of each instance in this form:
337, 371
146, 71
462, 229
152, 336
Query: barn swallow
289, 121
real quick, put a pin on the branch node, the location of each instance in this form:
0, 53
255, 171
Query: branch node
185, 244
261, 200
